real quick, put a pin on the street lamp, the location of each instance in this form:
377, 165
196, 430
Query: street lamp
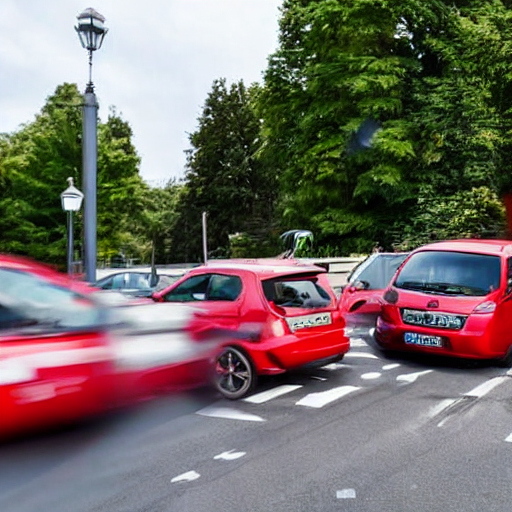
71, 200
91, 31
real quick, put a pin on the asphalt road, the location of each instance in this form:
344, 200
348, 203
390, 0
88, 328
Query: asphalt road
368, 434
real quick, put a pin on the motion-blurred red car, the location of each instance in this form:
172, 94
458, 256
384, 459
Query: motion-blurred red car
67, 354
360, 300
55, 360
269, 315
451, 298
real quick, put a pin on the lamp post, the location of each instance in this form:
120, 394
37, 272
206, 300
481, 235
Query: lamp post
91, 31
71, 200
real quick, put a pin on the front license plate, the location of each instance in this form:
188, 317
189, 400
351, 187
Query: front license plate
413, 338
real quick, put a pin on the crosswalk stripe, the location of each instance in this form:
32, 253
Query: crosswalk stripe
265, 396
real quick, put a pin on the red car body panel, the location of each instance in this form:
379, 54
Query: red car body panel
52, 375
273, 347
484, 335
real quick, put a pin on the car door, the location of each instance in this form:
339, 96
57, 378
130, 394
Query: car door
217, 297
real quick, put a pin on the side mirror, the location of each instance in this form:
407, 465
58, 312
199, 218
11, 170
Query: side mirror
360, 285
509, 286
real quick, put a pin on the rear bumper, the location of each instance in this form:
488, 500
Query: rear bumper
472, 344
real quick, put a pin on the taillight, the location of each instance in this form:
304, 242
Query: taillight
278, 327
486, 307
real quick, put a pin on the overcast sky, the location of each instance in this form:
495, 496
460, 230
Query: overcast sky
156, 66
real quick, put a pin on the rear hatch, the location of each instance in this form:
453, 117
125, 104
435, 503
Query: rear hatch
306, 306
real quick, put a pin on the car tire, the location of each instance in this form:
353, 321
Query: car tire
235, 376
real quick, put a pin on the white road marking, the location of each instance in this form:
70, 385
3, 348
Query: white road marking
227, 413
333, 366
411, 377
231, 455
371, 375
364, 355
371, 332
316, 377
391, 366
441, 406
358, 342
265, 396
318, 400
487, 386
346, 493
186, 477
509, 439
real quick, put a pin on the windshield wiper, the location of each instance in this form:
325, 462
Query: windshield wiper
443, 288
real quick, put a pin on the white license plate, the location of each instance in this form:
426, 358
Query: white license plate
306, 321
413, 338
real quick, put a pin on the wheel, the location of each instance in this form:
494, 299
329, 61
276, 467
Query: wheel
234, 373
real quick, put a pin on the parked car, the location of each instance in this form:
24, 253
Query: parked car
269, 315
451, 298
360, 300
67, 354
137, 283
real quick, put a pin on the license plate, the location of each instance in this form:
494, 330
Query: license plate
306, 321
413, 338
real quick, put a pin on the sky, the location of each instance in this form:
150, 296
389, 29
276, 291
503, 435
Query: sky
156, 66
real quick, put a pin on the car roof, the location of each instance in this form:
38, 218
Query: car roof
491, 247
264, 268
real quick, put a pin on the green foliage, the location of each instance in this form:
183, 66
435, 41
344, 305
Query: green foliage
223, 177
35, 162
474, 213
435, 75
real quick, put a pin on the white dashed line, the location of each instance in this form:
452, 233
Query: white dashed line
509, 439
227, 413
231, 455
346, 494
358, 342
391, 366
487, 386
409, 378
318, 400
186, 477
371, 375
265, 396
364, 355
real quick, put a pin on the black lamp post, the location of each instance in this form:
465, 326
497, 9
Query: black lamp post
91, 31
71, 200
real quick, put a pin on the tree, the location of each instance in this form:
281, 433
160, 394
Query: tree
34, 164
223, 176
418, 71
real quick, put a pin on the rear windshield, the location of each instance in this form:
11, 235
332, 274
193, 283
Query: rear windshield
450, 273
296, 293
377, 270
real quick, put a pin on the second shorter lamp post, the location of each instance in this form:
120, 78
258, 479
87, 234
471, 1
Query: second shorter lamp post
71, 200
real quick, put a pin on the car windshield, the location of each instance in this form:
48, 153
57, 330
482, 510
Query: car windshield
450, 273
377, 270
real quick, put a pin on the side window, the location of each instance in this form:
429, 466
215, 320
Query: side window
509, 276
119, 282
28, 298
224, 288
193, 289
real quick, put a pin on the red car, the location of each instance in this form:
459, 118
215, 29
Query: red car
451, 298
360, 300
67, 354
269, 315
55, 359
